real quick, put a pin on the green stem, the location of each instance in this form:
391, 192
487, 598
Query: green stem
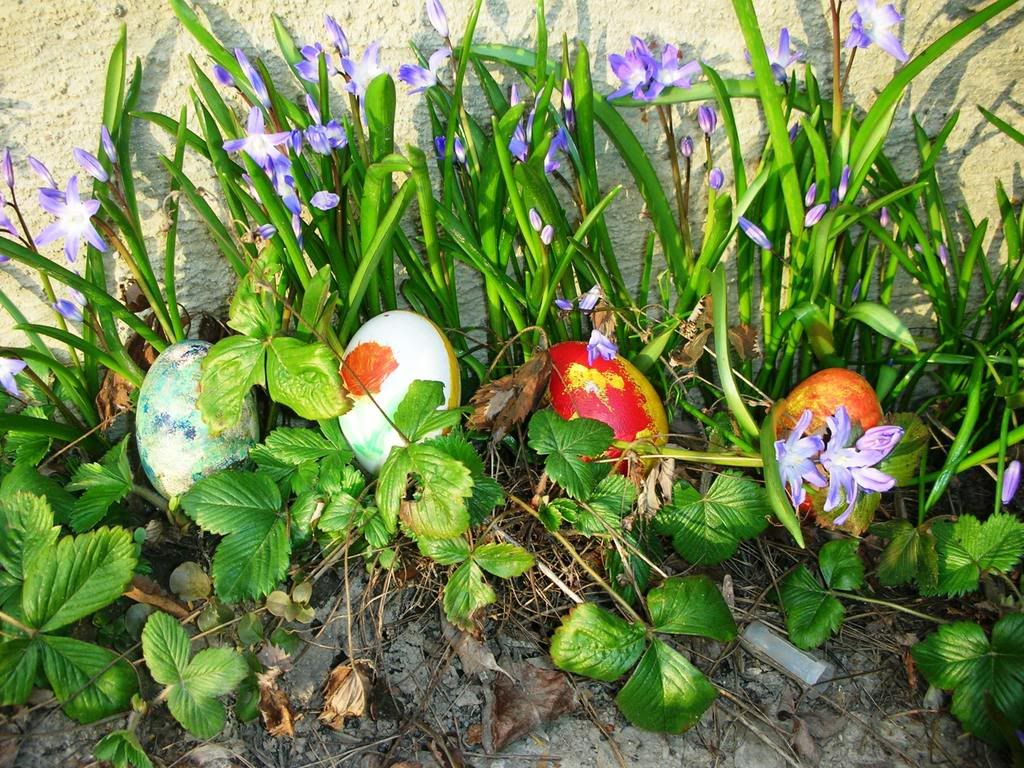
887, 604
152, 497
701, 457
8, 619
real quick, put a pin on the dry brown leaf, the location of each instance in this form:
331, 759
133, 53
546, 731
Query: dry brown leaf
474, 654
275, 708
114, 397
691, 351
475, 735
346, 693
531, 697
743, 338
505, 402
603, 319
132, 296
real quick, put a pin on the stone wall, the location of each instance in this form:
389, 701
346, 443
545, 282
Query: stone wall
53, 58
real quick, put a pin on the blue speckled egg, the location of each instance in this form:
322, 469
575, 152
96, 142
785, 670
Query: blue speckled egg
175, 445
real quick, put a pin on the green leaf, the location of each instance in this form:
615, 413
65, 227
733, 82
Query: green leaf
428, 488
231, 368
909, 555
305, 378
487, 492
883, 321
192, 686
960, 658
291, 445
812, 614
445, 551
252, 312
466, 592
596, 643
25, 478
503, 560
566, 444
691, 605
84, 574
122, 749
904, 462
707, 530
417, 415
27, 523
105, 482
90, 682
969, 548
841, 566
246, 509
604, 509
666, 693
165, 646
19, 661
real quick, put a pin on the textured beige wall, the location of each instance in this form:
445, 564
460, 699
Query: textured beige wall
53, 57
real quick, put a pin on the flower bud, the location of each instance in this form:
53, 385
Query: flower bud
707, 119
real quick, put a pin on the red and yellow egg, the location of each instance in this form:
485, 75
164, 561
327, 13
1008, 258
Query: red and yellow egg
611, 391
822, 393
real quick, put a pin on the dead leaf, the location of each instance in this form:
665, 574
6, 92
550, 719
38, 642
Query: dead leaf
474, 654
531, 697
346, 693
744, 340
475, 735
691, 351
804, 743
603, 319
132, 296
275, 708
273, 656
114, 397
657, 487
505, 402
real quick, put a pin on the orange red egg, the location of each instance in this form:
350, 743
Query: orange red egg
823, 392
612, 391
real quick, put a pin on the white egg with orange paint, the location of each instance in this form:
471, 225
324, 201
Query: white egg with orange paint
383, 358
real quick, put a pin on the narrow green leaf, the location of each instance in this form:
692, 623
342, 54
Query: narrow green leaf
884, 321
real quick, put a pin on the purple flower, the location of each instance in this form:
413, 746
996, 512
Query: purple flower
258, 87
108, 145
9, 368
222, 76
535, 220
90, 164
309, 67
796, 456
563, 304
1011, 481
324, 200
71, 309
755, 233
812, 192
258, 144
600, 346
883, 438
707, 119
284, 186
560, 143
42, 172
833, 198
686, 147
6, 225
814, 214
943, 253
794, 131
633, 68
73, 220
362, 72
844, 182
587, 301
517, 145
513, 96
871, 24
568, 113
883, 217
8, 168
438, 18
419, 78
782, 58
547, 234
716, 179
849, 469
1016, 300
460, 149
265, 231
323, 139
667, 72
337, 35
855, 293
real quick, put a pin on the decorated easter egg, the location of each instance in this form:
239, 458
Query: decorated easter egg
823, 392
613, 391
386, 355
175, 445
